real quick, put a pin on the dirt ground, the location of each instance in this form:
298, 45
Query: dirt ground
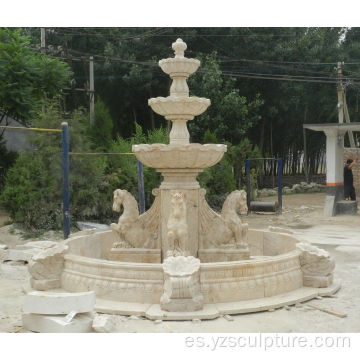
302, 213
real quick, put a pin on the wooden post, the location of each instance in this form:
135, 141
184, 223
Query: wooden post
280, 175
92, 91
342, 106
248, 183
43, 44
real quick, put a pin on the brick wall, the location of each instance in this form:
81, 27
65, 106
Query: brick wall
350, 153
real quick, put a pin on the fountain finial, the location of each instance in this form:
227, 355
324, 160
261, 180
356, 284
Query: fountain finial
179, 48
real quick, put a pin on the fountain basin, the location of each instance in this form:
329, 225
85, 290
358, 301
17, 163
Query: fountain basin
187, 156
272, 276
179, 66
179, 107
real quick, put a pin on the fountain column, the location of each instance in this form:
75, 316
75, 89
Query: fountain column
181, 161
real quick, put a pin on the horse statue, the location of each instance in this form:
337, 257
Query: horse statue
224, 230
177, 229
131, 227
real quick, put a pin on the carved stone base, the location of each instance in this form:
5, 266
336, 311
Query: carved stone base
318, 281
45, 284
135, 255
220, 255
183, 305
182, 284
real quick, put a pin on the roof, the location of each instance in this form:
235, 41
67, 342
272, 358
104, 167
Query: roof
353, 126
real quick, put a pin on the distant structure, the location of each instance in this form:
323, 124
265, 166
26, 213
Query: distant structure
15, 140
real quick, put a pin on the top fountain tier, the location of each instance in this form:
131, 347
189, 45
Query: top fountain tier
179, 107
180, 161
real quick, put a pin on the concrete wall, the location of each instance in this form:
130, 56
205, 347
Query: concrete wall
350, 153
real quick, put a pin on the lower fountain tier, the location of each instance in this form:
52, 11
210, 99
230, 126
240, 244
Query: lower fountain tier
271, 278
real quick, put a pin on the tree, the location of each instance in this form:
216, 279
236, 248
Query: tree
101, 132
230, 114
27, 78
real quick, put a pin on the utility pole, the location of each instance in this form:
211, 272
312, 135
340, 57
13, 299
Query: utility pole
92, 92
342, 106
43, 51
43, 45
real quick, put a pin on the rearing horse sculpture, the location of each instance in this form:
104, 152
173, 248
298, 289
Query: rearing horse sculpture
131, 227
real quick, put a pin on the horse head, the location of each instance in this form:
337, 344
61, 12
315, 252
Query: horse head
119, 196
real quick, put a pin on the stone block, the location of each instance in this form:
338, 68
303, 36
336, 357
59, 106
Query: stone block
80, 323
104, 323
344, 207
46, 267
39, 302
20, 254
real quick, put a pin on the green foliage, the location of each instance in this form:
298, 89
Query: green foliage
218, 181
27, 78
101, 132
230, 114
33, 188
209, 137
122, 170
237, 154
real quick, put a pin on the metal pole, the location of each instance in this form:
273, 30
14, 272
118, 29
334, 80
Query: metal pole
66, 181
92, 92
140, 172
280, 175
248, 189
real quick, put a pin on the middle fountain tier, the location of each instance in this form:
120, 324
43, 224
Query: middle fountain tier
207, 233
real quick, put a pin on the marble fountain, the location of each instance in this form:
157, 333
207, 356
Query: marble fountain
181, 259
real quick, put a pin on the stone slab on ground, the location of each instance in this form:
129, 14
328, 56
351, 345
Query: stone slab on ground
84, 225
80, 323
104, 323
120, 308
208, 312
42, 302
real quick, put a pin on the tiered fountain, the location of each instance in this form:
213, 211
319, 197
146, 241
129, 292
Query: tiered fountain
181, 259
